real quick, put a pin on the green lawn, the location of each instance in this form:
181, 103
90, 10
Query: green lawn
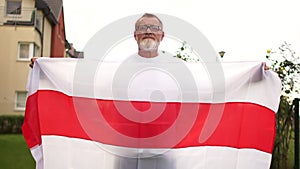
14, 153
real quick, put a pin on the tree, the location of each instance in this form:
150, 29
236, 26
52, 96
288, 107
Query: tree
286, 64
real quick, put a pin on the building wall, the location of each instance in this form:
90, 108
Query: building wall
58, 39
14, 72
47, 38
27, 7
28, 3
46, 31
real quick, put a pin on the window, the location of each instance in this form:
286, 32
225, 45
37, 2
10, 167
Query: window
13, 7
27, 50
20, 100
36, 51
38, 22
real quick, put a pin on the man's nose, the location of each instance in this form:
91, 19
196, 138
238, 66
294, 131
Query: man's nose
148, 33
148, 29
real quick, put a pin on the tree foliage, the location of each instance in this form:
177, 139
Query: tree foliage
286, 64
185, 52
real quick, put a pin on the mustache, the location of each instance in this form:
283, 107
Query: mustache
148, 35
145, 33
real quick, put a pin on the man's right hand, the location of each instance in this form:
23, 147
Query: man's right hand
32, 60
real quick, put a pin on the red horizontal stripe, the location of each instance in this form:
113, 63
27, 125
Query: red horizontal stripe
176, 125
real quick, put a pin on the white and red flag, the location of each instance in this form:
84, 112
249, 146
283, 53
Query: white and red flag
145, 114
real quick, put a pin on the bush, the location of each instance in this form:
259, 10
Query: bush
11, 124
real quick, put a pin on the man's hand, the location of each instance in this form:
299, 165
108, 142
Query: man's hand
265, 66
32, 60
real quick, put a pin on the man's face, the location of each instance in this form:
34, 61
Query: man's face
148, 33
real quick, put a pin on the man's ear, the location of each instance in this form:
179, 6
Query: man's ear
162, 35
135, 36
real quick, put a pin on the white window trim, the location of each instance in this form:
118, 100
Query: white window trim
36, 51
16, 108
31, 51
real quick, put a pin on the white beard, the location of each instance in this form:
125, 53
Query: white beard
148, 44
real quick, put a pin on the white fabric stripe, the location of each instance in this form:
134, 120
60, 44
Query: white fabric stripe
244, 82
37, 154
72, 153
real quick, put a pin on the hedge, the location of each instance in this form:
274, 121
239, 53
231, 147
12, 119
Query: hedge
11, 124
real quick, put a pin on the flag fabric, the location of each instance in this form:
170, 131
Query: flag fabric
139, 115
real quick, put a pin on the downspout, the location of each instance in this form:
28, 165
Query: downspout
42, 37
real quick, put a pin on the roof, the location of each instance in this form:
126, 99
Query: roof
51, 8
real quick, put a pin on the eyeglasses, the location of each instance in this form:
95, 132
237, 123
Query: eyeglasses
144, 28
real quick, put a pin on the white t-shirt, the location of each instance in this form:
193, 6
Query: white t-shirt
147, 79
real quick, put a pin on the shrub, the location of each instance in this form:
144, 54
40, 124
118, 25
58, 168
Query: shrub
11, 124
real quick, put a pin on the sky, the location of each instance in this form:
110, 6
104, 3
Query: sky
243, 29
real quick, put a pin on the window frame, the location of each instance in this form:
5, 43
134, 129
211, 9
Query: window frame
17, 101
33, 50
19, 12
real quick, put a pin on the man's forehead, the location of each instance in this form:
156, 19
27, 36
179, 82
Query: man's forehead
148, 20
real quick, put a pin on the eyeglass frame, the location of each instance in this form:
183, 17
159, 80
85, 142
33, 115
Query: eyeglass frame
148, 27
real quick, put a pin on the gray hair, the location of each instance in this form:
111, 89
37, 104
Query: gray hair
149, 15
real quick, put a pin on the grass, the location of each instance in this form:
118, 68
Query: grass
14, 153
